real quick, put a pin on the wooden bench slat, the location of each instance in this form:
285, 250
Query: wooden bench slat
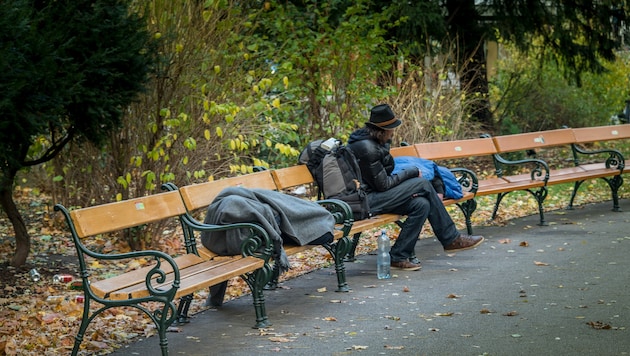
533, 140
290, 177
403, 151
373, 222
194, 278
467, 196
502, 185
455, 149
570, 175
116, 216
103, 287
207, 254
601, 133
223, 272
197, 196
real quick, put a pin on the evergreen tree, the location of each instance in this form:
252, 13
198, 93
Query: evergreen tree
67, 70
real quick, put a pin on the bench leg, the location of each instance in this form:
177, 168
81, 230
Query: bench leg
85, 321
576, 186
540, 195
350, 256
275, 278
338, 251
163, 319
496, 204
615, 183
468, 208
256, 281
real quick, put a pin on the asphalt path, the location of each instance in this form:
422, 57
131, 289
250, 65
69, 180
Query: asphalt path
562, 289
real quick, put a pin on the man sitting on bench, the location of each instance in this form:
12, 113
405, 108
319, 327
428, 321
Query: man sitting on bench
405, 193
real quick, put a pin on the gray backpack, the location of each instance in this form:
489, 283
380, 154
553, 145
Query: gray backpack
337, 174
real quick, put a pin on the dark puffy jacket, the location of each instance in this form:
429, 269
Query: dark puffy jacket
376, 162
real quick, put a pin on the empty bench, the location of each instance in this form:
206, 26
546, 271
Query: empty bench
166, 278
584, 164
534, 175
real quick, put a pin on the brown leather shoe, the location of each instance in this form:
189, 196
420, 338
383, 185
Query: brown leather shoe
464, 242
406, 265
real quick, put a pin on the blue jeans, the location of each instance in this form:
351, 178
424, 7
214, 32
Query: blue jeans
416, 199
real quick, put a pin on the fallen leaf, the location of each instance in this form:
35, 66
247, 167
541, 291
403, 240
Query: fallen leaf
444, 314
511, 313
505, 241
538, 263
359, 347
485, 311
524, 244
599, 325
330, 318
279, 339
452, 296
405, 289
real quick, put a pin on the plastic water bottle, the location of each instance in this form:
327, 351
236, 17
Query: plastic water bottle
382, 257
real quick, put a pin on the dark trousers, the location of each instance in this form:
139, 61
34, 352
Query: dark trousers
417, 199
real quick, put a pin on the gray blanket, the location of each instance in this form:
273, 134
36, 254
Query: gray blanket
282, 216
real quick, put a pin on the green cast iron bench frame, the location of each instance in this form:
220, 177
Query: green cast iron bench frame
168, 277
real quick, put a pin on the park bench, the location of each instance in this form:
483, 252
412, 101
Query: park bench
299, 175
585, 164
534, 175
533, 182
197, 198
165, 278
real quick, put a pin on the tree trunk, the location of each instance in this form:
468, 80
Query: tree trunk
465, 27
22, 238
475, 80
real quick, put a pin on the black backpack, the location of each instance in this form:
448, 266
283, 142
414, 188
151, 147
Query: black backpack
337, 174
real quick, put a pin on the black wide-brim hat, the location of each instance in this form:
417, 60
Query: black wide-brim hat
382, 117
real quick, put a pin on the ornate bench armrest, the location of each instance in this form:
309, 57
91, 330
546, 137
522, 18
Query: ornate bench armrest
467, 179
155, 276
341, 211
615, 158
538, 169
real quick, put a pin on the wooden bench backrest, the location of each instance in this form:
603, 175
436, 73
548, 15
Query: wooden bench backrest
455, 149
292, 176
601, 133
128, 213
534, 140
197, 196
403, 151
